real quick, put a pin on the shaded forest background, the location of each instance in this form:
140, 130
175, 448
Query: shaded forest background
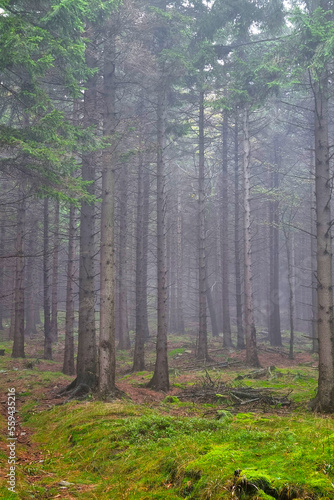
166, 167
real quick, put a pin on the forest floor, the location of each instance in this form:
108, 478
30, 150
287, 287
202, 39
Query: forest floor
222, 432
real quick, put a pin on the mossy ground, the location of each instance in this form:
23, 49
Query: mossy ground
162, 448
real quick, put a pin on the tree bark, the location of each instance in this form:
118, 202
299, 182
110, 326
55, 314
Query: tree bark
46, 284
202, 346
180, 317
124, 338
237, 251
227, 334
160, 379
250, 331
87, 352
107, 360
18, 345
68, 365
31, 278
54, 289
274, 305
324, 400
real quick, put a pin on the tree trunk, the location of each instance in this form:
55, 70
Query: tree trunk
18, 346
86, 361
160, 379
107, 358
250, 331
227, 335
54, 290
314, 313
46, 284
124, 339
180, 318
202, 346
237, 252
324, 400
288, 245
31, 278
2, 269
274, 306
139, 352
68, 365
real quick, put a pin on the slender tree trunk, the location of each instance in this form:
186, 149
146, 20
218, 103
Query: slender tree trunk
107, 285
160, 379
139, 351
288, 245
32, 289
324, 400
250, 331
237, 252
18, 346
180, 317
46, 284
274, 305
202, 346
54, 290
2, 269
124, 339
314, 314
227, 335
87, 359
212, 311
68, 365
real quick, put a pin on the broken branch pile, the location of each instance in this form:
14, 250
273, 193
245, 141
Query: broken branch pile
210, 391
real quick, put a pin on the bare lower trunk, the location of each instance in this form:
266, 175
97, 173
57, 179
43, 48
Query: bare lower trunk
288, 245
324, 400
46, 285
160, 379
202, 346
180, 318
107, 359
237, 251
124, 339
250, 331
18, 346
139, 353
274, 305
68, 365
54, 290
31, 279
87, 359
227, 335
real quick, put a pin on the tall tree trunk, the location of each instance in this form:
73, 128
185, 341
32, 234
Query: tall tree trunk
324, 400
54, 290
107, 285
86, 360
237, 251
31, 278
68, 365
250, 331
314, 313
146, 214
2, 269
46, 284
274, 306
139, 352
202, 346
18, 346
124, 338
227, 335
180, 317
212, 311
160, 379
288, 245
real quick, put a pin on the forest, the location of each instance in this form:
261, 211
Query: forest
166, 281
